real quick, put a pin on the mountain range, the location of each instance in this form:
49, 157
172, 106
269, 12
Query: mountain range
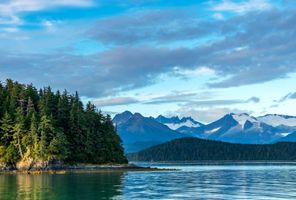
139, 132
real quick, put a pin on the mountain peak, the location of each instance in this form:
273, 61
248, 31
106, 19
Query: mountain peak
164, 120
138, 115
184, 119
138, 131
242, 118
127, 113
175, 123
122, 117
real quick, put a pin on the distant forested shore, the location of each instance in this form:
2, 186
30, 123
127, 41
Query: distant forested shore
194, 149
39, 127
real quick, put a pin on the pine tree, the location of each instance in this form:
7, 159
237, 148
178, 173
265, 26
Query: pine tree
46, 135
32, 140
9, 152
58, 146
30, 107
63, 113
6, 130
2, 97
18, 132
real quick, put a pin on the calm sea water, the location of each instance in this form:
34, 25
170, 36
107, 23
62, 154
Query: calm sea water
190, 181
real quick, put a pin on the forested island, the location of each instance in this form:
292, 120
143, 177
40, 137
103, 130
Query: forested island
41, 127
194, 149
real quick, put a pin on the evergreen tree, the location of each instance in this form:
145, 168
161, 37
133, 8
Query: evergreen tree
8, 150
19, 131
32, 140
46, 135
58, 146
2, 97
6, 130
43, 125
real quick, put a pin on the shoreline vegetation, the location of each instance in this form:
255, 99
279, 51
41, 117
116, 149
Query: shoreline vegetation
41, 129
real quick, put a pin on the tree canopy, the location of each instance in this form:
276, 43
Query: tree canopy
46, 125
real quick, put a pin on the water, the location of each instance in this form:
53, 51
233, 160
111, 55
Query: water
190, 181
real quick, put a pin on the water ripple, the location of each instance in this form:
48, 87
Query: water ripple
214, 182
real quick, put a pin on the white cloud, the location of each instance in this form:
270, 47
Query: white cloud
9, 10
50, 25
10, 29
243, 7
218, 16
16, 6
115, 101
203, 70
9, 19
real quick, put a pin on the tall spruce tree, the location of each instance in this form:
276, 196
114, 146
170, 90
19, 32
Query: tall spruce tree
19, 131
6, 130
46, 129
33, 138
8, 152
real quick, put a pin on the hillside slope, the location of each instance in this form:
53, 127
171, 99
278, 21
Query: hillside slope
193, 149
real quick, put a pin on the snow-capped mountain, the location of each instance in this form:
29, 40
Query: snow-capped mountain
239, 128
138, 132
175, 123
278, 120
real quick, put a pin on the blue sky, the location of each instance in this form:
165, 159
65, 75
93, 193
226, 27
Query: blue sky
197, 58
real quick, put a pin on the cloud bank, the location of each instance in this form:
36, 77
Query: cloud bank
256, 46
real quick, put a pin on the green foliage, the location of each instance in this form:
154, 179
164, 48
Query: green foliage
46, 135
194, 149
19, 131
6, 130
32, 139
11, 154
43, 125
58, 147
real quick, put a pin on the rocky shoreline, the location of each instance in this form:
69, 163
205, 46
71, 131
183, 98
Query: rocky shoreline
77, 168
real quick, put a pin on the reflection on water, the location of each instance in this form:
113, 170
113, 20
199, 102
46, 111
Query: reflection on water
237, 181
61, 187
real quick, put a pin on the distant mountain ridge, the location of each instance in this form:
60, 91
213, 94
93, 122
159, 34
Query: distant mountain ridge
238, 128
139, 132
243, 128
176, 123
278, 120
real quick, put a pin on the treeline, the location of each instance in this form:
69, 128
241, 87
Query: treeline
194, 149
43, 125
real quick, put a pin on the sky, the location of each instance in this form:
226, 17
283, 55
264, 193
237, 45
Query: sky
188, 58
